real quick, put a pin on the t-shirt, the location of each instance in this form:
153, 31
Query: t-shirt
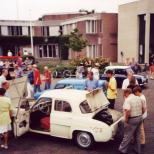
95, 73
2, 79
112, 92
144, 105
91, 84
134, 104
126, 82
5, 107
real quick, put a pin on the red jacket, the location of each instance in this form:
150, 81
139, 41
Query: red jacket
47, 75
37, 78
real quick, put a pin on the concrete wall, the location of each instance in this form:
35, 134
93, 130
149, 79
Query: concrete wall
128, 29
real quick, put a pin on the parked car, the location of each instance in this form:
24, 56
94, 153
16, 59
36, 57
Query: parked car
120, 73
71, 83
72, 114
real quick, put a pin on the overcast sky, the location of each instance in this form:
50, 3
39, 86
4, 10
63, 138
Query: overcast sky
8, 8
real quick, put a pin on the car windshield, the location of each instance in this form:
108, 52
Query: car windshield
85, 108
130, 70
62, 86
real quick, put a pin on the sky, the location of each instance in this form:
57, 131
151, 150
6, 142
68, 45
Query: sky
33, 9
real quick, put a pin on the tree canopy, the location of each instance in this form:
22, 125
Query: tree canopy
76, 41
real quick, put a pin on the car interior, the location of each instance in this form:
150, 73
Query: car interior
40, 115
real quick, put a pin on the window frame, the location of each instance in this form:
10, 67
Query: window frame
62, 111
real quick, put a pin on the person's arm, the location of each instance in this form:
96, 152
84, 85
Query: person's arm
126, 115
112, 85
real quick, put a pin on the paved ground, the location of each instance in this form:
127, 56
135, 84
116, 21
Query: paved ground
39, 144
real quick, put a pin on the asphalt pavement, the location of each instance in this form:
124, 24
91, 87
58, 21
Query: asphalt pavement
40, 144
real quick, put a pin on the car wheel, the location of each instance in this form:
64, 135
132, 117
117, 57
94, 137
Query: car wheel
84, 140
67, 74
55, 74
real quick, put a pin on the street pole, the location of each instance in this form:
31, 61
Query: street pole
31, 35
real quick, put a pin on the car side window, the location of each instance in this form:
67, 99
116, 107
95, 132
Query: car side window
121, 71
62, 106
44, 100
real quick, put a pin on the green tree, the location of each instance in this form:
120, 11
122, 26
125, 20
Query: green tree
76, 41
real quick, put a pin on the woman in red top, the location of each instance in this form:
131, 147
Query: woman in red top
47, 75
37, 79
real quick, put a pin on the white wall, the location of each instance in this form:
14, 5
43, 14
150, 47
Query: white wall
4, 30
54, 31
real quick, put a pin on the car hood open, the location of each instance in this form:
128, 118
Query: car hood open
96, 99
17, 90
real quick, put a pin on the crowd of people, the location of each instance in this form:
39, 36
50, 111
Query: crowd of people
134, 107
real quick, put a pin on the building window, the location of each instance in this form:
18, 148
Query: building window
92, 51
45, 30
91, 26
48, 51
14, 30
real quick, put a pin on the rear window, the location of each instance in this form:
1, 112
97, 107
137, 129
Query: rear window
85, 108
62, 86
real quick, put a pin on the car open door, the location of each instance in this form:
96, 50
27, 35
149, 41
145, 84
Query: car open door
21, 115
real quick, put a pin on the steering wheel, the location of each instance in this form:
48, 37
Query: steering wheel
44, 108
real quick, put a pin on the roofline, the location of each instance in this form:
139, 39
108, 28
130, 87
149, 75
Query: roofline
126, 3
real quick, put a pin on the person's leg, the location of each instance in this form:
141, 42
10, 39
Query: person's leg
6, 140
137, 145
46, 86
142, 134
112, 102
128, 135
39, 89
35, 88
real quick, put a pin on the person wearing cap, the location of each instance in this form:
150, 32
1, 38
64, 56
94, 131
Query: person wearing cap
95, 71
111, 89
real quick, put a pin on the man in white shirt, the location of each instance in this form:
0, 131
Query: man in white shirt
133, 110
95, 71
3, 76
138, 92
126, 82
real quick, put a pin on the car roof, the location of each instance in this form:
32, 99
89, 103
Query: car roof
71, 95
72, 81
117, 67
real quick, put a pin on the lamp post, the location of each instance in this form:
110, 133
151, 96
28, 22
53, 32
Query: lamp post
31, 34
60, 43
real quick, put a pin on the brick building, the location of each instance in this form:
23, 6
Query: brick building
100, 29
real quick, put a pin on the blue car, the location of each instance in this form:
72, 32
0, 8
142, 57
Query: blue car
78, 84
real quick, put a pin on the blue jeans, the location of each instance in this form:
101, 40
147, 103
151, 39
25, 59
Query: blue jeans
37, 88
47, 86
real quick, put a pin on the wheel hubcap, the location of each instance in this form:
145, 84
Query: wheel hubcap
84, 139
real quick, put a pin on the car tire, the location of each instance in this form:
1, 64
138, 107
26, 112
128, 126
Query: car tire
67, 74
55, 74
84, 140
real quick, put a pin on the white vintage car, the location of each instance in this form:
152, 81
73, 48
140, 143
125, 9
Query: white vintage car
73, 114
